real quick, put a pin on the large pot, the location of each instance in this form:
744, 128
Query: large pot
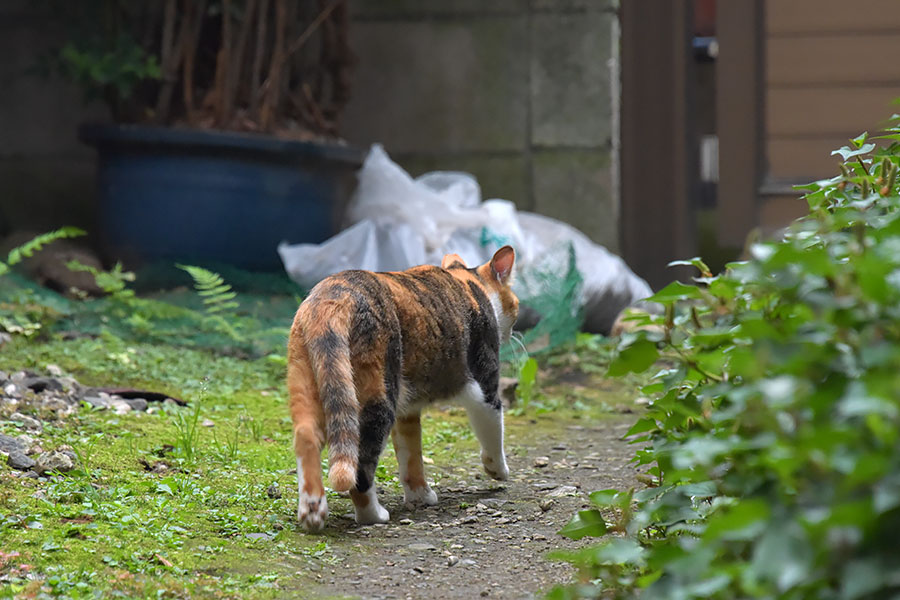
212, 196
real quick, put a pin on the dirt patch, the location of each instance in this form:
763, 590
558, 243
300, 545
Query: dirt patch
485, 539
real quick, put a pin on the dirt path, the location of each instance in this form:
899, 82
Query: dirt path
485, 538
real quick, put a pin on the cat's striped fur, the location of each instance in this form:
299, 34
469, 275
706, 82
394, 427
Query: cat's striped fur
368, 350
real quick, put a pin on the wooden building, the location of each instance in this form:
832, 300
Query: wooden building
794, 79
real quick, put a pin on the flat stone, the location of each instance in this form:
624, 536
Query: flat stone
563, 490
421, 547
43, 384
10, 444
11, 389
54, 370
541, 461
259, 536
54, 461
137, 403
29, 423
207, 423
18, 460
97, 402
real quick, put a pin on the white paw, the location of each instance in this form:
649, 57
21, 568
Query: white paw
311, 512
373, 513
495, 468
420, 496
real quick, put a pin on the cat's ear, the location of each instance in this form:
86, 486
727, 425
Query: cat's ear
451, 259
502, 264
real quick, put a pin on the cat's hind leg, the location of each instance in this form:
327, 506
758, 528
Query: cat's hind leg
309, 434
375, 421
407, 438
486, 417
376, 417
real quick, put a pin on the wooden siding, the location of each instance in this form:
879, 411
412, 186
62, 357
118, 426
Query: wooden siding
831, 72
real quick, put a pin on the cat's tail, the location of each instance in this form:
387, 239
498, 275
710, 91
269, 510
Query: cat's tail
330, 352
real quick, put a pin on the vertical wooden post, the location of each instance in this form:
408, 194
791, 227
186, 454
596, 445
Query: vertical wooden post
658, 160
741, 118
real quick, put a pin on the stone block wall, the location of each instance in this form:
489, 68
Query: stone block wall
516, 92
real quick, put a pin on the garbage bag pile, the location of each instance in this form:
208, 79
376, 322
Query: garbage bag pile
564, 281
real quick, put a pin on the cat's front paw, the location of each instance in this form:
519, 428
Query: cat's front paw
420, 496
496, 469
311, 512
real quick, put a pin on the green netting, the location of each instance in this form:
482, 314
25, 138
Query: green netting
548, 291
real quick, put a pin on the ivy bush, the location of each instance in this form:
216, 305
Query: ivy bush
772, 432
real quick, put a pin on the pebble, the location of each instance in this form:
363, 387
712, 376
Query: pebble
207, 423
259, 536
18, 460
546, 504
541, 461
54, 370
405, 521
120, 406
452, 560
273, 491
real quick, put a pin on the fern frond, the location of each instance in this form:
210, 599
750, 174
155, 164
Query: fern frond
27, 249
217, 295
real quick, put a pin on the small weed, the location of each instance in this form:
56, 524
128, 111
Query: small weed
187, 432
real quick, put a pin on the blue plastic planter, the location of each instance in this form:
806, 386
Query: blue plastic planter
210, 196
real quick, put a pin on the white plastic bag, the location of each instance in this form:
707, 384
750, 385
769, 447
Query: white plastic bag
397, 222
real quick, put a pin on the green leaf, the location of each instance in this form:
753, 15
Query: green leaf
848, 153
584, 523
693, 262
643, 425
743, 521
527, 379
674, 292
636, 358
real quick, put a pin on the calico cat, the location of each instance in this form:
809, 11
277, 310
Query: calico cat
368, 351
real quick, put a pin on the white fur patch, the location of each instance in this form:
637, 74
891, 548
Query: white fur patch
373, 512
311, 510
421, 496
504, 322
487, 422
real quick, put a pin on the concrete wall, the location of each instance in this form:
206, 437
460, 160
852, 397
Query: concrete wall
46, 175
516, 92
